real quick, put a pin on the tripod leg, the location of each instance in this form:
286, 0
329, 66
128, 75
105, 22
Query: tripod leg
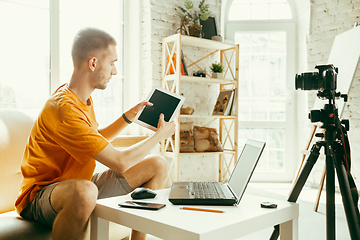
275, 233
330, 194
351, 210
300, 182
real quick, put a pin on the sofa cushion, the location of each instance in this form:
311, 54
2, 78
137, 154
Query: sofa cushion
13, 227
15, 127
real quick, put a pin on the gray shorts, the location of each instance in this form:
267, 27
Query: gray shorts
109, 183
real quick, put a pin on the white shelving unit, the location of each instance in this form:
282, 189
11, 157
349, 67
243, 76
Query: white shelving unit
227, 135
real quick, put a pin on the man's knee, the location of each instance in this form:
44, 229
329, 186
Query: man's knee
160, 163
86, 192
77, 194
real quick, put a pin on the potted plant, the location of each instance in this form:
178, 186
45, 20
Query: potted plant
190, 20
217, 69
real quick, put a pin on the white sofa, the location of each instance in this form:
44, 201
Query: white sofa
15, 127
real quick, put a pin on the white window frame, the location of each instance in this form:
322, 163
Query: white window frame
132, 57
54, 45
289, 26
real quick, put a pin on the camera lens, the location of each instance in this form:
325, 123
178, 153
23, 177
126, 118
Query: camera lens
307, 81
298, 83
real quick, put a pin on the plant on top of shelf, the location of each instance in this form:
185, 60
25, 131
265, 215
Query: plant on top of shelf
189, 20
217, 69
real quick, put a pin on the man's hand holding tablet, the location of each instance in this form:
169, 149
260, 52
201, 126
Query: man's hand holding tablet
163, 102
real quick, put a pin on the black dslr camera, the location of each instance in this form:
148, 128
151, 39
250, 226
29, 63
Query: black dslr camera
323, 80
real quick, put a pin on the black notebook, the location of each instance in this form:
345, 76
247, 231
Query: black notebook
220, 193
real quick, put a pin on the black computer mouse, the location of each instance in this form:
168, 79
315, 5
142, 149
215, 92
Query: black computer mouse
142, 193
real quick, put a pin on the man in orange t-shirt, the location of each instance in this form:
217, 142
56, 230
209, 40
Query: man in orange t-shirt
58, 187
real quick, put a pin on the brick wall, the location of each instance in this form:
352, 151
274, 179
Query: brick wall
329, 18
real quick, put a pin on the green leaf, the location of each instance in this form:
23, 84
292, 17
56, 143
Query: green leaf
188, 4
204, 16
180, 15
182, 9
201, 3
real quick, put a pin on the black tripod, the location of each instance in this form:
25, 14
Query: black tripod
337, 152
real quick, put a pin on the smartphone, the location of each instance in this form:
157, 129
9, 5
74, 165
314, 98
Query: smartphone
142, 205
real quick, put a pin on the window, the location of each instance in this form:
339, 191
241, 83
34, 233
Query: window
264, 30
259, 10
25, 54
31, 70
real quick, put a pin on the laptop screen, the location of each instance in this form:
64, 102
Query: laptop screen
245, 167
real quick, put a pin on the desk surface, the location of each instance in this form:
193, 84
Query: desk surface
173, 223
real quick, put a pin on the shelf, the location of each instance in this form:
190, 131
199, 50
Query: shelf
172, 77
171, 80
200, 42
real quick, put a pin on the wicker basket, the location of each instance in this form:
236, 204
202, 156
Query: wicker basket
195, 30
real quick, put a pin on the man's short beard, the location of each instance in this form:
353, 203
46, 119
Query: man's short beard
100, 84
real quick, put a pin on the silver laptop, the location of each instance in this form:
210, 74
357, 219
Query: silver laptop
220, 193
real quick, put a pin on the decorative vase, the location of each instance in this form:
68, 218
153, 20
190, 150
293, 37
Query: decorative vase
216, 75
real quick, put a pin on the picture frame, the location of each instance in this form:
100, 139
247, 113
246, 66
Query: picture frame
209, 27
223, 103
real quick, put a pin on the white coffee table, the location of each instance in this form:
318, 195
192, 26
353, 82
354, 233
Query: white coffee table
173, 223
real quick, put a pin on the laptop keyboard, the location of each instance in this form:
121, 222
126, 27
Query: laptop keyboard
206, 190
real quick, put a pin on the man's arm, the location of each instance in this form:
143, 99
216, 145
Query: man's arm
121, 160
111, 131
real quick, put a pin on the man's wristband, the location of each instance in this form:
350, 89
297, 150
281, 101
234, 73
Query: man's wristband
126, 119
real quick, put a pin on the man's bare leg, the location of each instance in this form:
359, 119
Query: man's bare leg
73, 200
150, 173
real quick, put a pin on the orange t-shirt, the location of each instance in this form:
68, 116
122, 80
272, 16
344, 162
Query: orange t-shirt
61, 145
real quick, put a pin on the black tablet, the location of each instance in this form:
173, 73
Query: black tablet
163, 101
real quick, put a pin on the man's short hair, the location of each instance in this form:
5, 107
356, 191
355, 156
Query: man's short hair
90, 42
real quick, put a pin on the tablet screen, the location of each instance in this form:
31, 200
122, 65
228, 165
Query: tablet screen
162, 103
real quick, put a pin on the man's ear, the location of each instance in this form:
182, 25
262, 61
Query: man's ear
92, 63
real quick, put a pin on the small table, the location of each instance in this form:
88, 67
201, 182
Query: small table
173, 223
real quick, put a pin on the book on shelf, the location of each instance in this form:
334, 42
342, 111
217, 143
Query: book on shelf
233, 104
174, 62
183, 63
224, 102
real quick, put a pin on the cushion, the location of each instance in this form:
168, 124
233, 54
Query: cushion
13, 227
186, 138
15, 127
206, 140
